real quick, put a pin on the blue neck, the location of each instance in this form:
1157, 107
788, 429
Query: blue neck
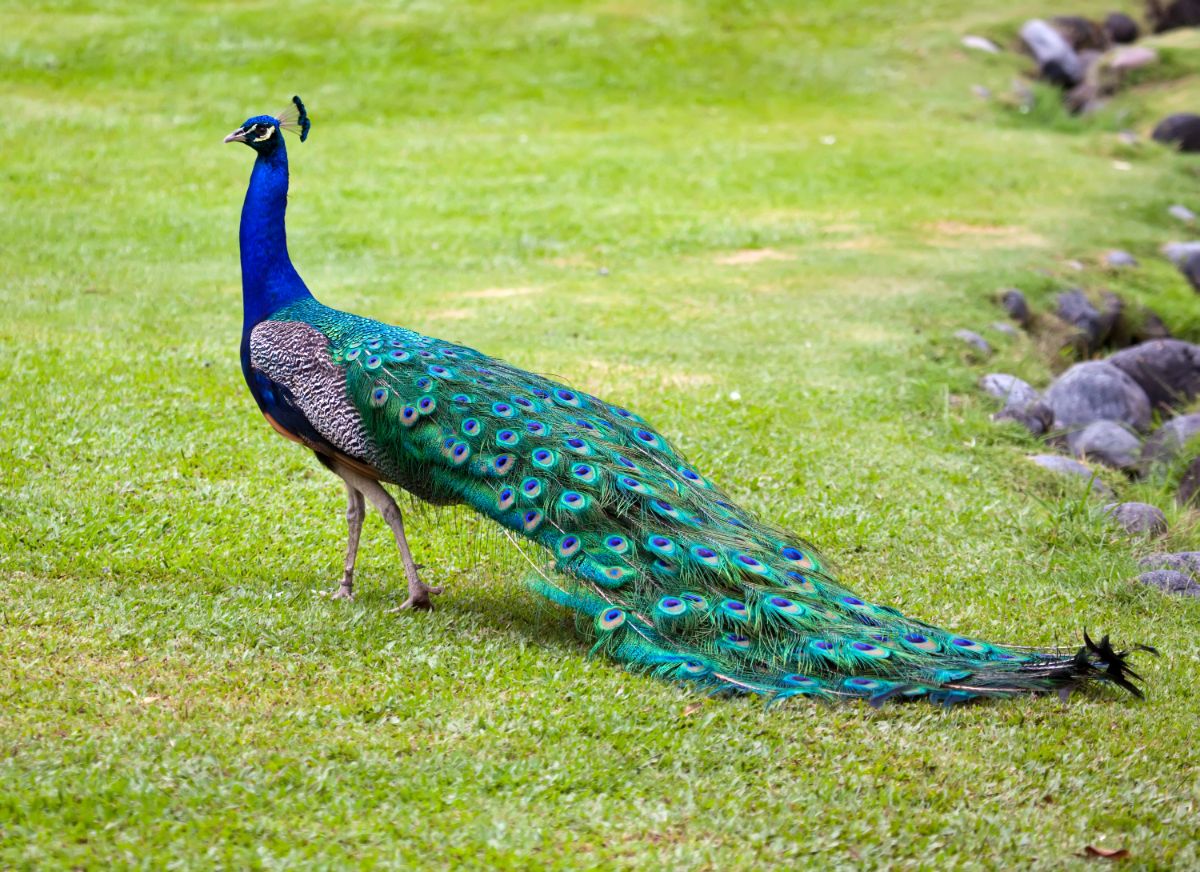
269, 281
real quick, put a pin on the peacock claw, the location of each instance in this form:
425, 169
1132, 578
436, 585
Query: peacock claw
344, 591
418, 600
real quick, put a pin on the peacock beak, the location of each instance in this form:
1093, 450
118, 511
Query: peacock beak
238, 135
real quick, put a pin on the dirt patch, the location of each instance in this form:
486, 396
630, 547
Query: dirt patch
998, 235
752, 255
499, 293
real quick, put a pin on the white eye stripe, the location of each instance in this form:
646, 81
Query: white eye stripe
267, 135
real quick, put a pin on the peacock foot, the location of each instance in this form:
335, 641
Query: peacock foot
418, 598
345, 589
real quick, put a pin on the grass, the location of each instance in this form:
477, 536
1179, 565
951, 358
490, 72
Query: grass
558, 184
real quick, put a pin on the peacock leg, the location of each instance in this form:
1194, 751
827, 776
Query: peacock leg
418, 592
355, 512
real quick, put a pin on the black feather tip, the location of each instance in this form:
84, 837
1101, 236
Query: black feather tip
1115, 668
302, 119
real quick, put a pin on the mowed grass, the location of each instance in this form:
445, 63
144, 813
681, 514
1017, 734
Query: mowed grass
573, 187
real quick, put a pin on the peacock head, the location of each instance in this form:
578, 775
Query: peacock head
263, 133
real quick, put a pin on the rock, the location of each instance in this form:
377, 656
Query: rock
1187, 562
1189, 485
1120, 28
1167, 370
1107, 442
1168, 441
1081, 33
1005, 328
1131, 57
1036, 418
1149, 327
1057, 61
1138, 518
1182, 213
1016, 393
1097, 391
1178, 252
1181, 13
974, 340
1077, 310
1191, 271
1170, 581
1068, 467
1116, 259
982, 92
1181, 130
980, 43
1017, 308
1084, 98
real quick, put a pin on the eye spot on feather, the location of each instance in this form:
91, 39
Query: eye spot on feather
797, 680
617, 410
353, 354
585, 423
628, 483
502, 464
523, 402
578, 446
568, 398
664, 567
409, 416
662, 546
531, 488
626, 462
460, 453
426, 405
573, 501
614, 576
610, 620
544, 458
693, 668
671, 606
471, 427
823, 645
706, 556
424, 384
507, 497
531, 520
585, 473
539, 393
379, 397
537, 428
440, 371
461, 399
428, 355
852, 601
504, 410
567, 546
921, 642
507, 438
801, 582
617, 544
737, 641
398, 355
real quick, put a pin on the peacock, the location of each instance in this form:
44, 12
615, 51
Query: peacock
662, 570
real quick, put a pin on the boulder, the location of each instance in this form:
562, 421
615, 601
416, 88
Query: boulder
1120, 28
1183, 213
1191, 271
1138, 518
1065, 466
1005, 328
1168, 441
1170, 581
1077, 310
973, 339
1167, 370
1116, 259
1097, 391
1107, 442
1081, 33
1189, 484
1057, 61
1036, 418
1181, 130
1187, 562
1180, 13
1178, 252
1015, 392
1015, 305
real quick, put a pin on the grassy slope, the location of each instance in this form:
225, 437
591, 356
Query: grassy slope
173, 687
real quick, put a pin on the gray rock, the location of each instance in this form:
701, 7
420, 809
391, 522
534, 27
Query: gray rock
1189, 485
974, 340
1107, 442
1138, 518
1067, 467
1015, 305
980, 43
1183, 213
1035, 418
1057, 61
1178, 252
1005, 328
1097, 391
1121, 28
1170, 581
1181, 130
1168, 441
1116, 259
1191, 271
1167, 370
1077, 310
982, 92
1187, 562
1015, 392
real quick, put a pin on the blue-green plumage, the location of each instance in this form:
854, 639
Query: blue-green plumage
663, 570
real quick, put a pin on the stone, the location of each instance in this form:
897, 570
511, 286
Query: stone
1116, 259
1131, 57
1076, 309
1168, 441
1036, 418
1097, 391
1178, 252
1189, 484
1065, 466
982, 92
1167, 370
1081, 33
1107, 442
1187, 562
980, 43
973, 339
1183, 213
1171, 581
1120, 28
1191, 271
1005, 328
1015, 305
1181, 130
1138, 518
1180, 13
1015, 392
1057, 61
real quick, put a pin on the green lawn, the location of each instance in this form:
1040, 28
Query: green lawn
560, 184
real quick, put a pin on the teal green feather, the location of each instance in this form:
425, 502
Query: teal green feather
665, 573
